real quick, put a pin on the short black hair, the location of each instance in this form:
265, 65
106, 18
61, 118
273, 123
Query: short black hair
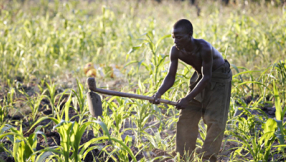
184, 23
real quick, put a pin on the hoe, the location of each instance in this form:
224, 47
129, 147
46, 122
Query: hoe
94, 100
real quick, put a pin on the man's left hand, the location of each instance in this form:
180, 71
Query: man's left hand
182, 103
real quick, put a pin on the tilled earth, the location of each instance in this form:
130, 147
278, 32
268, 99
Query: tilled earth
53, 138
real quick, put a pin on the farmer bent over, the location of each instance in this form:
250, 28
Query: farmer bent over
209, 94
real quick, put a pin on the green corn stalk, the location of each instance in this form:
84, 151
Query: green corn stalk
251, 81
4, 109
64, 128
268, 136
279, 114
258, 147
140, 119
2, 113
10, 96
23, 147
51, 88
126, 150
160, 143
70, 133
280, 69
156, 60
73, 132
116, 116
80, 99
120, 114
33, 103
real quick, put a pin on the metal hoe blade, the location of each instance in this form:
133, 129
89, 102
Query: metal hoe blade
94, 104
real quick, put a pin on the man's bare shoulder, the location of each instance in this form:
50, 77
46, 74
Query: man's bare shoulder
174, 52
208, 52
205, 47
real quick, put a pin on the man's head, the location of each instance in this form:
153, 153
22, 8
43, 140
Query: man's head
182, 33
185, 24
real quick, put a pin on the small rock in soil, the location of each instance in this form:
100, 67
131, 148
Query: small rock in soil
59, 90
157, 152
26, 124
39, 147
47, 112
135, 151
264, 108
268, 98
53, 138
10, 159
6, 142
231, 144
271, 112
19, 78
45, 101
271, 108
244, 116
26, 88
91, 156
17, 117
90, 135
248, 99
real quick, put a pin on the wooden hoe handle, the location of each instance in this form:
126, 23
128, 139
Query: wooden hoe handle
131, 95
92, 87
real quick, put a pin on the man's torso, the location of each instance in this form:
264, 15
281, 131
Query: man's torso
194, 59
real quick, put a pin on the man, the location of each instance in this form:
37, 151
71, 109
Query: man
209, 95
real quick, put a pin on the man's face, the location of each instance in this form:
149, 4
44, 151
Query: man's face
180, 37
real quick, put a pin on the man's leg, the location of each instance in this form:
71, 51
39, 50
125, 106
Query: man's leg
215, 116
187, 129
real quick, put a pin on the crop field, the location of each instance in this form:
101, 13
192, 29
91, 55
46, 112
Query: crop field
49, 48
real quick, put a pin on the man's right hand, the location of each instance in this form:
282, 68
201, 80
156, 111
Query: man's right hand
156, 96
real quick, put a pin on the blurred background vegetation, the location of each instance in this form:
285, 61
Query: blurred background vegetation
38, 36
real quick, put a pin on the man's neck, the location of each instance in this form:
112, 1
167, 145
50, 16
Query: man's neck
191, 45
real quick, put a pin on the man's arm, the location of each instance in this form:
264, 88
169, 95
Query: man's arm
207, 62
170, 78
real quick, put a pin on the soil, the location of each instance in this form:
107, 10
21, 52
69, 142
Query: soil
20, 113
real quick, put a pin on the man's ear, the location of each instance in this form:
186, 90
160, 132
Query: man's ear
190, 34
